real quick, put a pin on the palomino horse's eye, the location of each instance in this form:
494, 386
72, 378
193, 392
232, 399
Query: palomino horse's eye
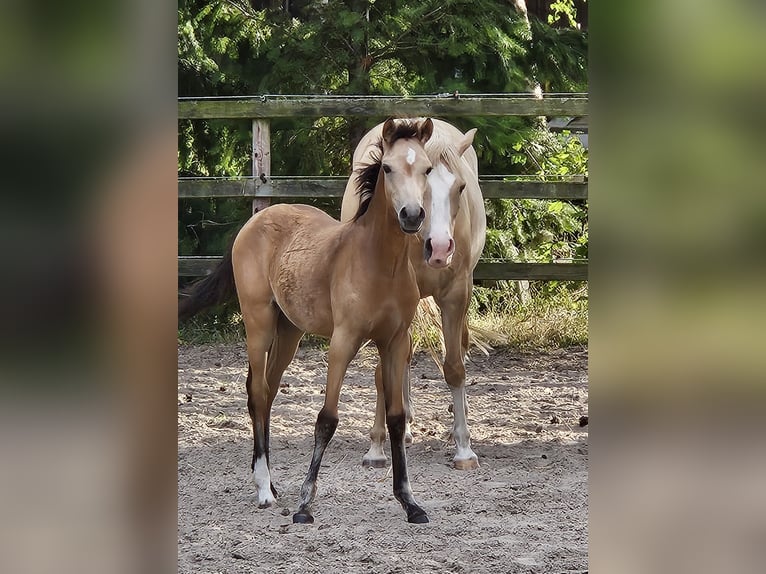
386, 168
429, 170
462, 187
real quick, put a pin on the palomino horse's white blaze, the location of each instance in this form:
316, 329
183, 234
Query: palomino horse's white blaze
262, 479
411, 156
440, 181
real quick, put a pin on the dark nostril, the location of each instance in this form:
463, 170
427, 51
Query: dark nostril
422, 214
403, 213
429, 249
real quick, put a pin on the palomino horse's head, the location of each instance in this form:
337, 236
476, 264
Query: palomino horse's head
406, 167
446, 182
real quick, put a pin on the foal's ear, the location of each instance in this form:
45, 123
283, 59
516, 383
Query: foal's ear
388, 130
466, 141
425, 130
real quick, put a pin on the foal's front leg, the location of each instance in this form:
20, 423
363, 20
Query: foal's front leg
394, 362
343, 348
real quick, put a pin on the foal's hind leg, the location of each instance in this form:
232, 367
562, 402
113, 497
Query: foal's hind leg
455, 328
260, 323
281, 353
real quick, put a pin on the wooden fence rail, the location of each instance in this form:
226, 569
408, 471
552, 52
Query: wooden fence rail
305, 187
262, 187
370, 106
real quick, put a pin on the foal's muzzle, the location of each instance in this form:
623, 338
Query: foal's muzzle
410, 219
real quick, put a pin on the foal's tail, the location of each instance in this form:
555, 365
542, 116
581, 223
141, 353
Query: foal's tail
216, 288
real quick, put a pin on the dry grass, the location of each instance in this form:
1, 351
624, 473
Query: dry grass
542, 322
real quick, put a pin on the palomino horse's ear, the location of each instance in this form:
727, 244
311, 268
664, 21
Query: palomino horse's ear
465, 142
388, 130
425, 130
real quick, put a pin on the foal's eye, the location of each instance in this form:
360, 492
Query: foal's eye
386, 168
462, 187
428, 170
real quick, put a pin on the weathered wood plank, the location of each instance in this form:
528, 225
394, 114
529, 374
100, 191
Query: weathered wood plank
531, 271
261, 159
334, 187
274, 107
533, 190
200, 266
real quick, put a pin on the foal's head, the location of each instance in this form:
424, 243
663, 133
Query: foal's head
405, 169
446, 183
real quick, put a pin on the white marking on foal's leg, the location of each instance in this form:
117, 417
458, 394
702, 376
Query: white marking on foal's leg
410, 156
262, 479
465, 458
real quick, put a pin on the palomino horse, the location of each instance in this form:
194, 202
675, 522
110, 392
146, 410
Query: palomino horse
443, 254
297, 270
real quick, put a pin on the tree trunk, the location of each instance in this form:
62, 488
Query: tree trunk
359, 76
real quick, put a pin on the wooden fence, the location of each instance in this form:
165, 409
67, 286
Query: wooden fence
262, 187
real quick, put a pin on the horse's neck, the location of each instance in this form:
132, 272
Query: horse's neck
382, 227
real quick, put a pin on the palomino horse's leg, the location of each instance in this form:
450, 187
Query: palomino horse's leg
342, 351
455, 330
376, 457
260, 323
281, 353
394, 360
408, 408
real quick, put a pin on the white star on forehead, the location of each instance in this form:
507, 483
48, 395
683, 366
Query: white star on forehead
410, 156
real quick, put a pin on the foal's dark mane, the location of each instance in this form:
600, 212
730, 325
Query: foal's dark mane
367, 175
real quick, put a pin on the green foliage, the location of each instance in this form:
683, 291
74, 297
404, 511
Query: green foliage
538, 230
563, 9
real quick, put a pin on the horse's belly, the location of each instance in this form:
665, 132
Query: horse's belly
300, 289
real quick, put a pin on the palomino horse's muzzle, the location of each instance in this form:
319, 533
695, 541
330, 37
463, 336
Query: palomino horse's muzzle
411, 218
438, 253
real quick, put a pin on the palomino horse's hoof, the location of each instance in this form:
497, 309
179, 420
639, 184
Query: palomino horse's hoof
375, 462
265, 504
466, 464
417, 516
303, 518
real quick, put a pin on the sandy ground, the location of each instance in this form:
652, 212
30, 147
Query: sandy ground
524, 510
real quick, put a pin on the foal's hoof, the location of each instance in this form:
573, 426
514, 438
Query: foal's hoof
375, 462
466, 464
303, 518
417, 516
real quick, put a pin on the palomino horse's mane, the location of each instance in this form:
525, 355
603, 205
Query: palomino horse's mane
367, 175
441, 148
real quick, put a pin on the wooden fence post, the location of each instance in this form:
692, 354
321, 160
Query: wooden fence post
261, 159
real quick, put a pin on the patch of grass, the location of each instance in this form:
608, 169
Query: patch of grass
541, 320
212, 329
226, 328
546, 316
